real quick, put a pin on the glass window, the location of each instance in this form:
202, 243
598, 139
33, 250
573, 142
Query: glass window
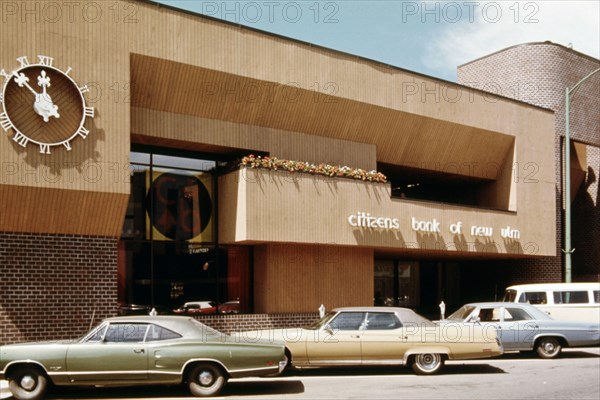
136, 221
533, 298
97, 336
510, 296
516, 314
571, 297
348, 321
382, 321
179, 205
490, 314
596, 296
396, 283
156, 333
168, 255
126, 333
183, 163
139, 158
461, 314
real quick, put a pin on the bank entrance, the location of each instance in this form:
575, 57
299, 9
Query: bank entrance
420, 285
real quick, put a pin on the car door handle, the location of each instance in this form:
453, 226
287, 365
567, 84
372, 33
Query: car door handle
138, 351
355, 336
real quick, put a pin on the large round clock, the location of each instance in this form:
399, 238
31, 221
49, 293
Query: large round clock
43, 105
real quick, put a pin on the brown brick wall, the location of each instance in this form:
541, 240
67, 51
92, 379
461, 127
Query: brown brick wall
50, 285
250, 322
538, 73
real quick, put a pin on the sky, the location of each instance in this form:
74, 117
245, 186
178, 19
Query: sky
429, 37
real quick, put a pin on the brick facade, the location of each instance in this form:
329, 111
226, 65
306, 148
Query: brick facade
52, 285
538, 73
250, 322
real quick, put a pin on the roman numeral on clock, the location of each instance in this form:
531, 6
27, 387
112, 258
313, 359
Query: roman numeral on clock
45, 60
23, 61
89, 112
21, 139
5, 122
83, 132
44, 148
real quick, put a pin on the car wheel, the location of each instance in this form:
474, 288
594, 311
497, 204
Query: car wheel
28, 383
427, 364
206, 380
548, 347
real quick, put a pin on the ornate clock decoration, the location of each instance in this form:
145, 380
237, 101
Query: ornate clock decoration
43, 105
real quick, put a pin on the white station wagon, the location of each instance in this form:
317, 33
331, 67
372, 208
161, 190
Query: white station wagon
561, 301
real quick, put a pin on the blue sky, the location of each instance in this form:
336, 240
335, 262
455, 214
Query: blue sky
429, 37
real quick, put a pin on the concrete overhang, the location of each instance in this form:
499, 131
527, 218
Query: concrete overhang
405, 133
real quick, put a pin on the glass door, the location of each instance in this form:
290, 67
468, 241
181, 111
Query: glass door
396, 283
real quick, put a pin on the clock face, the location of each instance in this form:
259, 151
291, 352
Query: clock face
43, 106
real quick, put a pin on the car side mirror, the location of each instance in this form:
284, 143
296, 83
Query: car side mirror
327, 328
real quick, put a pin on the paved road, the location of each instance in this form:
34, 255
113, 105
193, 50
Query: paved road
575, 375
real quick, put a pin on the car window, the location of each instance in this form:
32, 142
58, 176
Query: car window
571, 297
97, 336
516, 314
156, 333
596, 296
491, 314
533, 298
510, 295
461, 313
382, 321
125, 333
347, 321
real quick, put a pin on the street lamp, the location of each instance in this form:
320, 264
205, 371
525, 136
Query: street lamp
568, 250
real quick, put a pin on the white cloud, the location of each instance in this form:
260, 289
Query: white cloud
563, 22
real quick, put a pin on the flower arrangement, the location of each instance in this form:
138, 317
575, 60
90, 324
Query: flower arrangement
274, 163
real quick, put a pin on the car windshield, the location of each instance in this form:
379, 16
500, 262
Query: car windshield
321, 322
510, 296
93, 335
461, 314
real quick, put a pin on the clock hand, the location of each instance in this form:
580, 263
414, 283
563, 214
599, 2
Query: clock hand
43, 81
22, 80
43, 105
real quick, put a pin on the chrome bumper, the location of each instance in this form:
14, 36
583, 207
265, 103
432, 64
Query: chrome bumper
282, 365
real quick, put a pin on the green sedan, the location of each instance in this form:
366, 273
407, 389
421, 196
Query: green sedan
139, 350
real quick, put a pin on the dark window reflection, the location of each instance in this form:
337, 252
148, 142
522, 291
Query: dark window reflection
167, 255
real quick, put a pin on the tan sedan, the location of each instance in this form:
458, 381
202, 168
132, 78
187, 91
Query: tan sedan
358, 336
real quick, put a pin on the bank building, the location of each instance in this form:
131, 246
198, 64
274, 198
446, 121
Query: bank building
182, 158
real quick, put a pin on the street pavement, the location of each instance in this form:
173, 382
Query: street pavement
574, 375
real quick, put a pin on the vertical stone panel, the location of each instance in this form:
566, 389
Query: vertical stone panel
299, 278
